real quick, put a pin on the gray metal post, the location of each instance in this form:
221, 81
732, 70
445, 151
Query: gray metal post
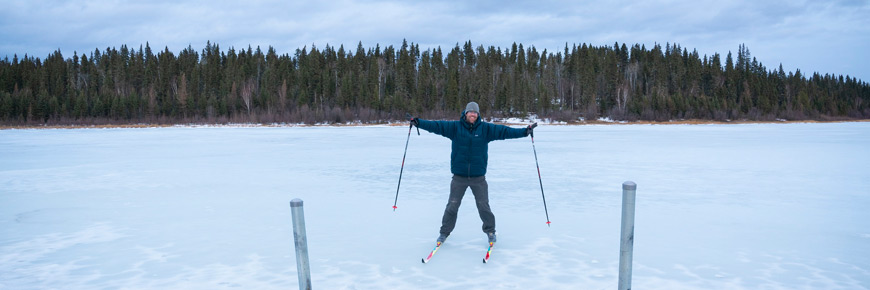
301, 242
629, 190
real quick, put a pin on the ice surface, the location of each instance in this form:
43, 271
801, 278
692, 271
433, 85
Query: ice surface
759, 206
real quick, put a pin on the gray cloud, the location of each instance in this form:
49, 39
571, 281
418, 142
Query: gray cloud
828, 37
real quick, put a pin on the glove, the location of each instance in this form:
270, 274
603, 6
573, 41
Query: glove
530, 128
414, 122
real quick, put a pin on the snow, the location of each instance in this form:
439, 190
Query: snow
753, 206
529, 119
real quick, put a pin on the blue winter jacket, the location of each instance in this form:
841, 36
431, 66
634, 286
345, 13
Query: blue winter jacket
468, 156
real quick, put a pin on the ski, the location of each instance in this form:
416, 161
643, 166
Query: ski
488, 253
427, 258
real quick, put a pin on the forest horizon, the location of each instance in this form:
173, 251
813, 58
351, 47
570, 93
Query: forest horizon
375, 84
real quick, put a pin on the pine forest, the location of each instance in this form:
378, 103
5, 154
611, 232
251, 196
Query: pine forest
341, 85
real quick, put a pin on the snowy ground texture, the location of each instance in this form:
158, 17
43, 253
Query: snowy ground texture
762, 206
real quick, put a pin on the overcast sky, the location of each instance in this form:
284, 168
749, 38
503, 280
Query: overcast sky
813, 36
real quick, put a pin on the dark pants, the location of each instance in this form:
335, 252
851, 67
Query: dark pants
481, 196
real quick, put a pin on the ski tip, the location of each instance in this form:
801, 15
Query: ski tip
423, 260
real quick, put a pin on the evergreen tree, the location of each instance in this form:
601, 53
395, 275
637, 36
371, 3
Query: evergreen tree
329, 85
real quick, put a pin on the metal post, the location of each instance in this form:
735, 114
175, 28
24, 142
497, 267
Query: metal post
629, 190
301, 242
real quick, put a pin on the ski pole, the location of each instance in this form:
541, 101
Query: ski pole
396, 201
532, 134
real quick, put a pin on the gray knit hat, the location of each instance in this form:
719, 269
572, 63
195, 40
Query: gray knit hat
472, 107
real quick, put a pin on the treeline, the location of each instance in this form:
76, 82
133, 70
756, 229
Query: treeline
377, 84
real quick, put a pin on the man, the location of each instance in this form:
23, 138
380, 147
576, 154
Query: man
470, 137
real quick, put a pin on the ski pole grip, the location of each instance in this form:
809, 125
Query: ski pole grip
411, 118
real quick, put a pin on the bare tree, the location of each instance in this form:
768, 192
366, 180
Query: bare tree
247, 93
630, 83
180, 91
282, 96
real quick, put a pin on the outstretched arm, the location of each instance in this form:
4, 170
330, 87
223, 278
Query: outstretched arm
443, 128
501, 132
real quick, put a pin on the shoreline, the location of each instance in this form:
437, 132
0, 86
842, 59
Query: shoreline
510, 123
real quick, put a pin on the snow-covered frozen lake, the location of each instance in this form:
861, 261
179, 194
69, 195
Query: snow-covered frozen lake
761, 206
